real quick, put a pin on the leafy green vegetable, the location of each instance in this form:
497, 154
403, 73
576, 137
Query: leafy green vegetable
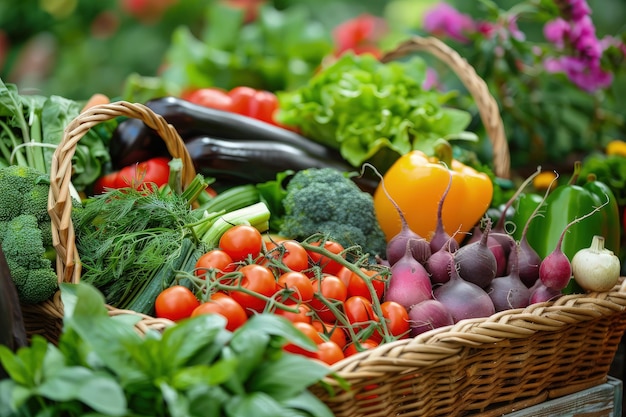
102, 367
279, 50
365, 109
31, 127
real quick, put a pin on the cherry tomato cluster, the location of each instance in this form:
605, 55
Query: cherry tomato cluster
339, 307
247, 101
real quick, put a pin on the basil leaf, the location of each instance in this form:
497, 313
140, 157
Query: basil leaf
287, 376
256, 404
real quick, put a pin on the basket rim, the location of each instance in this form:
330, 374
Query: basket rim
436, 346
487, 105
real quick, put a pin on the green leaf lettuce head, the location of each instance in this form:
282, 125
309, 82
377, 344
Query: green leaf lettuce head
366, 108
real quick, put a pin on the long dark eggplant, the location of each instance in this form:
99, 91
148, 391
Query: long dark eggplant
252, 161
134, 139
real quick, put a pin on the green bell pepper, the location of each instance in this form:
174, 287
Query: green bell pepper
564, 204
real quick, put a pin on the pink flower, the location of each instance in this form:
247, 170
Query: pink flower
445, 20
432, 79
556, 31
579, 9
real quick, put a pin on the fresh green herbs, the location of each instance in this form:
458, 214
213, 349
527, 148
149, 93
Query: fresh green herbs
102, 367
133, 242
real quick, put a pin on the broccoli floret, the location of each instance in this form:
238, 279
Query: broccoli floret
32, 272
16, 184
324, 200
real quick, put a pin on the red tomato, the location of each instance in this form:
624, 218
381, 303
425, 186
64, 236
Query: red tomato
332, 289
288, 252
303, 315
328, 266
359, 312
250, 102
175, 303
259, 279
397, 318
214, 98
352, 349
358, 286
215, 260
329, 352
297, 285
155, 170
311, 333
241, 241
224, 305
331, 332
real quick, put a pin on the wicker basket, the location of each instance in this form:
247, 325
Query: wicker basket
46, 318
489, 366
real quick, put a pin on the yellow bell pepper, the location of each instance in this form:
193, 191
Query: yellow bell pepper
416, 182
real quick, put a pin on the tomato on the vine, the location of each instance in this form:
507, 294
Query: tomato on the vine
175, 303
258, 279
311, 333
329, 352
331, 289
303, 314
359, 312
217, 261
290, 253
358, 286
224, 305
331, 332
296, 285
327, 265
397, 318
241, 241
352, 348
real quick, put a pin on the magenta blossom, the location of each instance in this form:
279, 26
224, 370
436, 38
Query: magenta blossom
556, 31
445, 20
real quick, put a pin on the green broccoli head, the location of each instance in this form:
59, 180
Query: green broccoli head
34, 285
36, 202
16, 183
32, 272
324, 200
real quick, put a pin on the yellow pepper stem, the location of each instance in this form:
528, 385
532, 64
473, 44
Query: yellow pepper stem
443, 151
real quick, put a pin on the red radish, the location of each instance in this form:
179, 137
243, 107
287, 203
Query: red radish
509, 291
555, 270
409, 283
428, 315
476, 263
463, 299
440, 237
396, 247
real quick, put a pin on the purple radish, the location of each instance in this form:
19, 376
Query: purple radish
555, 270
476, 263
539, 293
440, 263
409, 283
509, 291
428, 315
440, 237
463, 299
499, 229
529, 259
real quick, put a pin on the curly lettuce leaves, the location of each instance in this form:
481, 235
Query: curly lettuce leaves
372, 111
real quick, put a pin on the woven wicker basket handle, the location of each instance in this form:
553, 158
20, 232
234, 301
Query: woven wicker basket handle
486, 103
68, 265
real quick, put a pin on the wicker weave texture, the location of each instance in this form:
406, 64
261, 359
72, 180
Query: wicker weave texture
489, 366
